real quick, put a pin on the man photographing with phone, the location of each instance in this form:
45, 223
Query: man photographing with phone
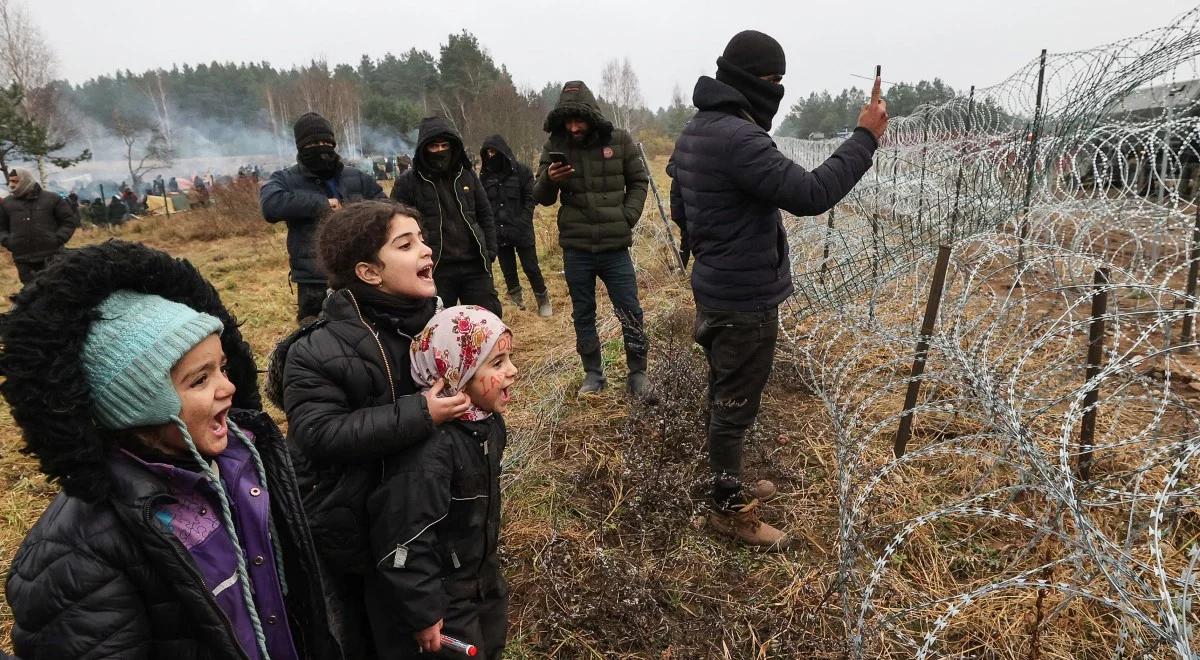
730, 181
596, 171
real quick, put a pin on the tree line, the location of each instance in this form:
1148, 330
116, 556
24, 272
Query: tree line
826, 114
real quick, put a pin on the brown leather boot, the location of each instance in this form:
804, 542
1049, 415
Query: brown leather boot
764, 490
743, 524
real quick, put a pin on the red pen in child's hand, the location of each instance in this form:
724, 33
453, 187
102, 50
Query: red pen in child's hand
460, 646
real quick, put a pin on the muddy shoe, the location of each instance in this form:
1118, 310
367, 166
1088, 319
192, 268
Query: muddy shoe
743, 524
543, 300
764, 491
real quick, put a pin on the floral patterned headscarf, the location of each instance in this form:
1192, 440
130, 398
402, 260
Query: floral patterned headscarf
453, 345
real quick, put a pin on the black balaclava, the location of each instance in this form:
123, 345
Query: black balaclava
748, 55
440, 163
321, 160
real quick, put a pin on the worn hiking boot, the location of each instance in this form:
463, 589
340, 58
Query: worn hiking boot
593, 373
764, 491
741, 522
515, 297
543, 301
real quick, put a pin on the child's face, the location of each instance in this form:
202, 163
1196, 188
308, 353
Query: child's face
405, 263
206, 394
488, 388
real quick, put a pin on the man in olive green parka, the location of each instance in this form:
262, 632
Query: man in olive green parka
602, 187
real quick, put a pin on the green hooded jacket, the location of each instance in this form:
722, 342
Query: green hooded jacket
603, 199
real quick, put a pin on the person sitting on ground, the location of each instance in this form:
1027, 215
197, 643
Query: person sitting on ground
35, 224
435, 519
302, 194
344, 383
455, 215
509, 186
179, 531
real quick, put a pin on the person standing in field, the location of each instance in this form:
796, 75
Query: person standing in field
456, 217
179, 531
35, 224
595, 170
302, 194
435, 518
730, 181
509, 186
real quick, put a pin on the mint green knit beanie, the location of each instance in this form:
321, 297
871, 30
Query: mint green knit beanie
129, 352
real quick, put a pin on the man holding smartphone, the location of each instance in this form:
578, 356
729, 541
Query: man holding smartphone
596, 172
318, 184
729, 183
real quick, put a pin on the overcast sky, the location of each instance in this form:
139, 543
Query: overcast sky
669, 42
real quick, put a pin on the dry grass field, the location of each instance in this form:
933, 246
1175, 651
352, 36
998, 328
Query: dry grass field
604, 545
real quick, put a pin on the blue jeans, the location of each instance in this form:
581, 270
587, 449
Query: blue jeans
615, 269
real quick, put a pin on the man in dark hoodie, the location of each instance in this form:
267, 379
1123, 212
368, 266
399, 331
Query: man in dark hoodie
509, 186
729, 183
602, 186
35, 224
301, 195
456, 217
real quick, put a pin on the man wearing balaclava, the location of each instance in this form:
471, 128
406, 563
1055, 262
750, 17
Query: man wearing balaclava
302, 194
35, 224
730, 181
456, 217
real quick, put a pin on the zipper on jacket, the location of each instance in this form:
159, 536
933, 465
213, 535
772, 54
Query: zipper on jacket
463, 213
189, 565
490, 503
441, 242
387, 368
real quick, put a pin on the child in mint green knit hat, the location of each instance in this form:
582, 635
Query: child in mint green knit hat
180, 530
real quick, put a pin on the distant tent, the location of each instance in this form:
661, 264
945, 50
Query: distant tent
178, 202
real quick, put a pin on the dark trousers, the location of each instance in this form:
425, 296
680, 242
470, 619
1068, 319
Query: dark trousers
740, 347
309, 299
529, 263
615, 269
27, 270
467, 284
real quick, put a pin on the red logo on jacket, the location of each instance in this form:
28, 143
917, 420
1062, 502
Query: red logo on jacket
608, 152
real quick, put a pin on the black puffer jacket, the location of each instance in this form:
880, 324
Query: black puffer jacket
729, 183
350, 402
94, 578
510, 192
604, 198
435, 529
300, 198
37, 225
417, 187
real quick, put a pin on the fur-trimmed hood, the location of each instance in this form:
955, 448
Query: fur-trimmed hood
576, 100
42, 336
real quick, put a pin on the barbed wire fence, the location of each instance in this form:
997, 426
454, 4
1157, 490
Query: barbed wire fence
1046, 409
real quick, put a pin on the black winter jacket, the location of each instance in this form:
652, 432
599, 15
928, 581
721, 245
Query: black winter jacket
417, 187
350, 402
300, 198
604, 198
94, 579
510, 192
103, 580
729, 183
35, 227
435, 525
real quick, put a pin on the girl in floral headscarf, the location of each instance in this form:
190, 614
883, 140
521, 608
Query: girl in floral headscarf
435, 518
